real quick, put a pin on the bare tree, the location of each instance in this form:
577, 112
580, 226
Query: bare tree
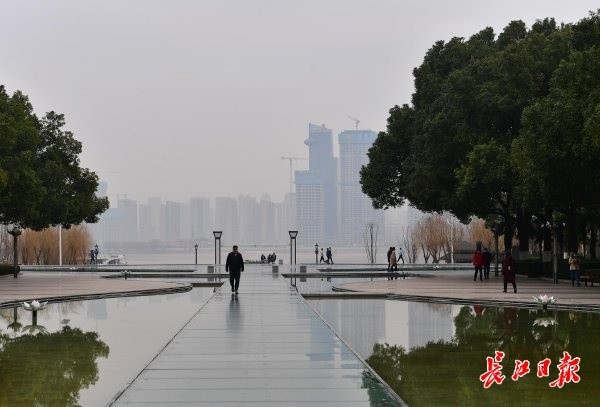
370, 240
77, 241
42, 247
452, 235
477, 232
408, 239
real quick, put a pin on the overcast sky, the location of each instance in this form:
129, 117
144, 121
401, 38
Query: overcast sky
182, 98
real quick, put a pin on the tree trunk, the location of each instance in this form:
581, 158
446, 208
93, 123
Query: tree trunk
523, 229
593, 241
572, 230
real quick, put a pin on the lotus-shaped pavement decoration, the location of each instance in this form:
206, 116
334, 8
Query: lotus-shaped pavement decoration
545, 300
34, 329
35, 305
545, 322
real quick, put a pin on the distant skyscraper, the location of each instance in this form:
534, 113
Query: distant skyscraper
267, 225
201, 218
128, 226
226, 219
310, 207
356, 208
249, 220
150, 219
172, 221
317, 187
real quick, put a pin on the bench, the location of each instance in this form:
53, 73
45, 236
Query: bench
590, 279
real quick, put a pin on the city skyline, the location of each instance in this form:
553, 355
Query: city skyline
203, 98
328, 205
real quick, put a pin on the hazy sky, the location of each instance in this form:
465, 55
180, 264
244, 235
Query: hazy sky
182, 98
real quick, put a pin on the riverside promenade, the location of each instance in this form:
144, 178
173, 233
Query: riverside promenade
459, 287
264, 347
67, 286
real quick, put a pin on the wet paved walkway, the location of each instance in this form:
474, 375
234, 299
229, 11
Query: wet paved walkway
55, 286
459, 285
263, 347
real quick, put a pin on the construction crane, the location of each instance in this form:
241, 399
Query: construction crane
356, 121
290, 160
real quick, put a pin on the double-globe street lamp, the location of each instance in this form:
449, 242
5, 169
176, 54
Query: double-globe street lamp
316, 253
217, 234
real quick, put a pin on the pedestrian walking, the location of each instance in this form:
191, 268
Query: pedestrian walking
322, 259
234, 265
574, 268
508, 270
329, 255
400, 255
478, 264
487, 261
393, 262
389, 252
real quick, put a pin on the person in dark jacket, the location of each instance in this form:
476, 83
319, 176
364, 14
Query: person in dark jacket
508, 270
487, 261
234, 265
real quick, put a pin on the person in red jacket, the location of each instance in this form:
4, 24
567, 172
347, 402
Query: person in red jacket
478, 262
508, 270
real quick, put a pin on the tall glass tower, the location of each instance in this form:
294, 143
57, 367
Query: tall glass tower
316, 190
356, 208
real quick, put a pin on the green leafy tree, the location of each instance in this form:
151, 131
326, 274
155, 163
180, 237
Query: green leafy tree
49, 369
41, 181
455, 148
558, 151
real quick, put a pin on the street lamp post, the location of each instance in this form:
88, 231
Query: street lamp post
555, 253
217, 234
316, 253
196, 258
496, 232
293, 234
15, 231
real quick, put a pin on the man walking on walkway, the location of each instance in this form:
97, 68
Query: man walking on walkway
234, 265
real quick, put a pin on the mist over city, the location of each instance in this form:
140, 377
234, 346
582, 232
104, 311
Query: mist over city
299, 203
184, 99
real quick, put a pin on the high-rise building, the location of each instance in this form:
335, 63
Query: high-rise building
356, 208
128, 225
317, 186
151, 220
249, 220
201, 216
172, 221
226, 219
310, 207
267, 225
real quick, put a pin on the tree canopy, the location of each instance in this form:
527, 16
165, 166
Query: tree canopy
497, 127
41, 180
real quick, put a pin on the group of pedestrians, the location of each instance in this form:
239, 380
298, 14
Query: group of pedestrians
393, 259
482, 262
329, 254
269, 259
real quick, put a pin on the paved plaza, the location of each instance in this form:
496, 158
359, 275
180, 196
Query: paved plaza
266, 346
263, 347
459, 285
56, 286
